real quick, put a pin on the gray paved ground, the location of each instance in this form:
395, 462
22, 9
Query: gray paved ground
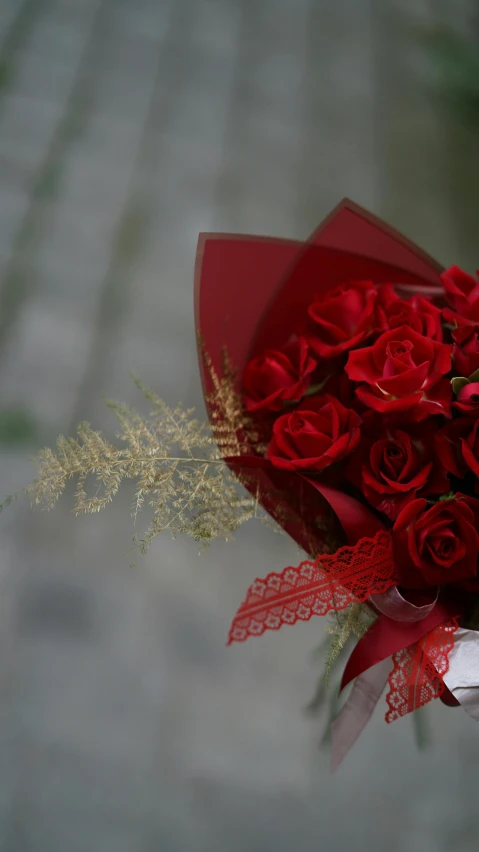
125, 129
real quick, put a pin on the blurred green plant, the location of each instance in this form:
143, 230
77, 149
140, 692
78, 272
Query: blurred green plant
27, 13
17, 427
456, 60
422, 732
5, 73
324, 703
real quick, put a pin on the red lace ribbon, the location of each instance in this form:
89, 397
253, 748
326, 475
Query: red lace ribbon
331, 582
418, 670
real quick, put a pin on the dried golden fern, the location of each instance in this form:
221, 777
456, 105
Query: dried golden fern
347, 624
176, 461
233, 431
352, 622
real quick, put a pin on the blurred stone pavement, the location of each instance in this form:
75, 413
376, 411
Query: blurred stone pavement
126, 128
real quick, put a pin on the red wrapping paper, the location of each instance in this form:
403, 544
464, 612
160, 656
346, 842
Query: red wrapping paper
250, 292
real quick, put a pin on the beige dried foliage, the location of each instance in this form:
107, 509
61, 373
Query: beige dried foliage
175, 460
347, 624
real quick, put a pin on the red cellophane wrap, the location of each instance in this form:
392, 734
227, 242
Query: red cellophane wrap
250, 293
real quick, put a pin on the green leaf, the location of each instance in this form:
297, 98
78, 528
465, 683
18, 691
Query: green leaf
316, 388
458, 383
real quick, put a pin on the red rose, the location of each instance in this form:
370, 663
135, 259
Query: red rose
403, 371
396, 467
448, 445
314, 436
436, 545
462, 293
278, 376
465, 351
467, 398
418, 313
344, 317
457, 447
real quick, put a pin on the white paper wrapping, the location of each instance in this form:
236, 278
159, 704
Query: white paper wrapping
462, 677
354, 716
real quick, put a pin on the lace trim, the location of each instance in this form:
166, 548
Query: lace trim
418, 671
331, 582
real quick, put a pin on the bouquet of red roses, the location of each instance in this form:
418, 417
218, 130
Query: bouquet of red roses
341, 378
357, 362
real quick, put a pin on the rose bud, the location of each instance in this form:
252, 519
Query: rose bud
403, 371
467, 399
278, 376
314, 436
344, 317
436, 545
